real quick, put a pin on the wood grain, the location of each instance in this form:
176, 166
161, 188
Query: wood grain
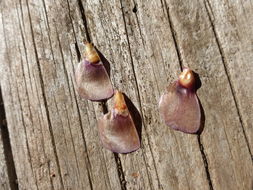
233, 29
53, 133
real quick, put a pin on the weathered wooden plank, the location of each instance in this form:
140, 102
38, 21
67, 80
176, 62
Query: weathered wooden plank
18, 82
108, 33
4, 177
57, 147
232, 23
53, 132
170, 157
149, 29
224, 143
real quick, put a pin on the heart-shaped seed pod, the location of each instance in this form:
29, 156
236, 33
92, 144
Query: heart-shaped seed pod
179, 105
92, 80
116, 128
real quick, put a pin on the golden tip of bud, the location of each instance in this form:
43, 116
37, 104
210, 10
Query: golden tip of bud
90, 53
119, 101
186, 78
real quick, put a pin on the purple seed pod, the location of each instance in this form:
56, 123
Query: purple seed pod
92, 80
179, 105
116, 128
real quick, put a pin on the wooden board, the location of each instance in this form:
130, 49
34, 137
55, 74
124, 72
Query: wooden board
233, 29
53, 134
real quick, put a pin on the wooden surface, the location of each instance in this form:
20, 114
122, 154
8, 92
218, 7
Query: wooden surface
52, 135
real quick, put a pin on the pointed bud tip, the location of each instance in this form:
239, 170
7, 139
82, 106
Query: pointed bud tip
119, 102
186, 78
90, 53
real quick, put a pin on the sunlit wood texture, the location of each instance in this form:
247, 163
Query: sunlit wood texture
52, 131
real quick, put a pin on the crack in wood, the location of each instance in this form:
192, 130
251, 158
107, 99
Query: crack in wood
85, 144
116, 156
104, 106
224, 62
8, 155
120, 172
174, 35
139, 98
205, 163
26, 136
44, 97
81, 8
201, 147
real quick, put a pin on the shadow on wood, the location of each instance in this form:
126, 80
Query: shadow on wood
202, 117
135, 115
7, 148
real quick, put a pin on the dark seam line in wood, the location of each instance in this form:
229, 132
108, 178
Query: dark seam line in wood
106, 39
46, 112
87, 159
120, 172
182, 157
23, 122
140, 104
7, 149
29, 74
63, 61
42, 132
22, 16
201, 147
36, 88
66, 74
26, 137
233, 168
224, 62
205, 163
48, 31
142, 40
44, 96
74, 33
23, 40
26, 90
11, 169
30, 112
26, 59
163, 7
174, 36
104, 110
81, 8
45, 11
138, 24
60, 118
72, 141
43, 147
69, 13
139, 100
